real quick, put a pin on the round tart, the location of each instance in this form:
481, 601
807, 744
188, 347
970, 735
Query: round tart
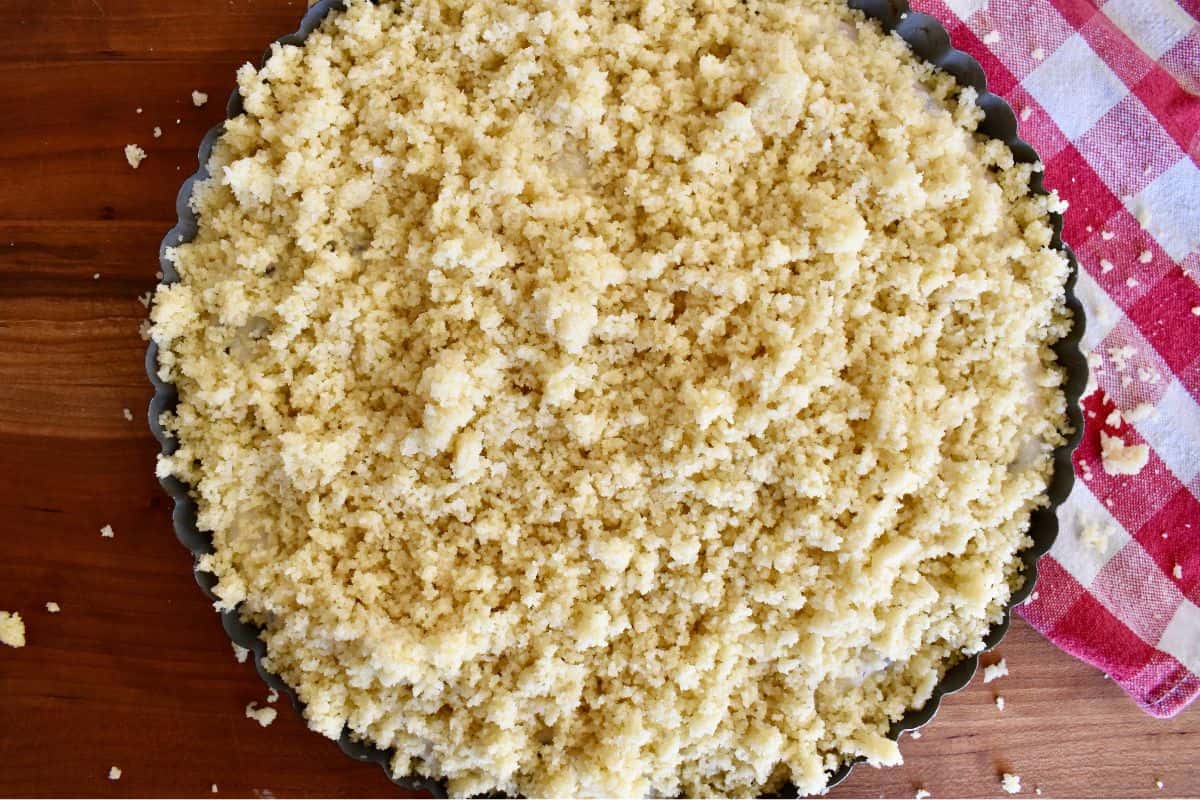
613, 398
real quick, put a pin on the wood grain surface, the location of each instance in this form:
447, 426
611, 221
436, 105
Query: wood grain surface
135, 671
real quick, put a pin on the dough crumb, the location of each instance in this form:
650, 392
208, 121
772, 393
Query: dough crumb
114, 773
916, 734
12, 629
921, 795
1106, 266
199, 99
1113, 420
1119, 458
272, 696
1010, 783
995, 671
53, 607
1178, 572
1145, 257
107, 532
992, 37
1120, 357
1026, 113
1131, 282
1038, 54
157, 132
1094, 536
214, 788
134, 155
1000, 702
263, 716
1140, 412
1196, 311
240, 653
1158, 784
1107, 235
127, 414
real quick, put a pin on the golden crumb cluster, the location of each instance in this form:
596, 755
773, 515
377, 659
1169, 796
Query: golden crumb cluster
613, 398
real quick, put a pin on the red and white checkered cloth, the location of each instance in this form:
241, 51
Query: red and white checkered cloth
1108, 93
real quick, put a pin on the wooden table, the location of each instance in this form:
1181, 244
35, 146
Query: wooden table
135, 671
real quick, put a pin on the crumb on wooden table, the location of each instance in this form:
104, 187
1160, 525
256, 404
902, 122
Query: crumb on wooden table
993, 671
53, 607
134, 155
1010, 783
199, 98
114, 773
107, 532
263, 716
12, 629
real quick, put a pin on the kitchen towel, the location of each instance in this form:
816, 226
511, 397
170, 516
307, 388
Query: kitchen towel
1108, 93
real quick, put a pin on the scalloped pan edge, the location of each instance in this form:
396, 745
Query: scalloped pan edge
927, 39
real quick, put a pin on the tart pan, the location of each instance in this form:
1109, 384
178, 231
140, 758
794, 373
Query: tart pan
927, 38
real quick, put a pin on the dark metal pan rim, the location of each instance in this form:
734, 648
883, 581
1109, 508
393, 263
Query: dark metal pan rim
929, 40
